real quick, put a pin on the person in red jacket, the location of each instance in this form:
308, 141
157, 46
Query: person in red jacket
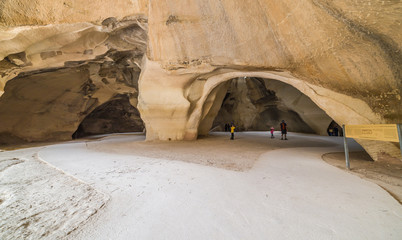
272, 132
284, 129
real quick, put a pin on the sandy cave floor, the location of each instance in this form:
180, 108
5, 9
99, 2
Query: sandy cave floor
251, 188
386, 173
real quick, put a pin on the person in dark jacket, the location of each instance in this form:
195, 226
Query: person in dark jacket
284, 129
336, 130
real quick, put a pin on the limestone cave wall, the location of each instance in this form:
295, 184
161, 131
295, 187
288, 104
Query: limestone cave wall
60, 74
345, 56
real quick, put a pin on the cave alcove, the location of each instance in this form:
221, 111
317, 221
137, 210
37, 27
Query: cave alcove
114, 116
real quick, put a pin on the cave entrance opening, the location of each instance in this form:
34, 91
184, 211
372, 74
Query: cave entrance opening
334, 129
257, 104
114, 116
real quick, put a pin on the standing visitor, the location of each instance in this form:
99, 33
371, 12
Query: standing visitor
336, 130
272, 132
232, 128
284, 129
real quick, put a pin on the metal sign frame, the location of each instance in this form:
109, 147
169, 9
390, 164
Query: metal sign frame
345, 144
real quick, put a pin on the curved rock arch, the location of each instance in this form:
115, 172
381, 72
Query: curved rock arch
189, 98
353, 110
337, 53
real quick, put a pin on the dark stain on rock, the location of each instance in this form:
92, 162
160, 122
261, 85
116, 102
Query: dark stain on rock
105, 81
19, 59
110, 22
25, 225
88, 52
39, 71
385, 43
392, 55
172, 19
49, 54
88, 88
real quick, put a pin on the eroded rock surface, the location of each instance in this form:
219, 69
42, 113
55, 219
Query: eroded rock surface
346, 58
43, 12
64, 73
26, 49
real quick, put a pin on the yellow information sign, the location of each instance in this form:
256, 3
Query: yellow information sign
380, 132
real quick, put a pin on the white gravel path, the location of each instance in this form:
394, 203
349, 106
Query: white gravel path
286, 192
38, 201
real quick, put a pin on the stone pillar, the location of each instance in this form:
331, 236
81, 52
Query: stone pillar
162, 104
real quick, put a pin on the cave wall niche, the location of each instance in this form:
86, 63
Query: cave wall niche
114, 116
49, 104
44, 106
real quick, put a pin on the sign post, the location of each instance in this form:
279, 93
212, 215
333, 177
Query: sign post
345, 145
400, 136
378, 132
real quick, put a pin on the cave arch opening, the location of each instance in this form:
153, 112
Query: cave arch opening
339, 107
334, 129
257, 104
114, 116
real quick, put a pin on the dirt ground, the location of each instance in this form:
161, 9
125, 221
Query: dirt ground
212, 188
387, 173
215, 150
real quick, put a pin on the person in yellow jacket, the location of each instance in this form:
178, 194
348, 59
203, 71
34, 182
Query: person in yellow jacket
232, 128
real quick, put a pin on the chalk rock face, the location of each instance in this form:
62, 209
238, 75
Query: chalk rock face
319, 45
344, 56
43, 12
64, 73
